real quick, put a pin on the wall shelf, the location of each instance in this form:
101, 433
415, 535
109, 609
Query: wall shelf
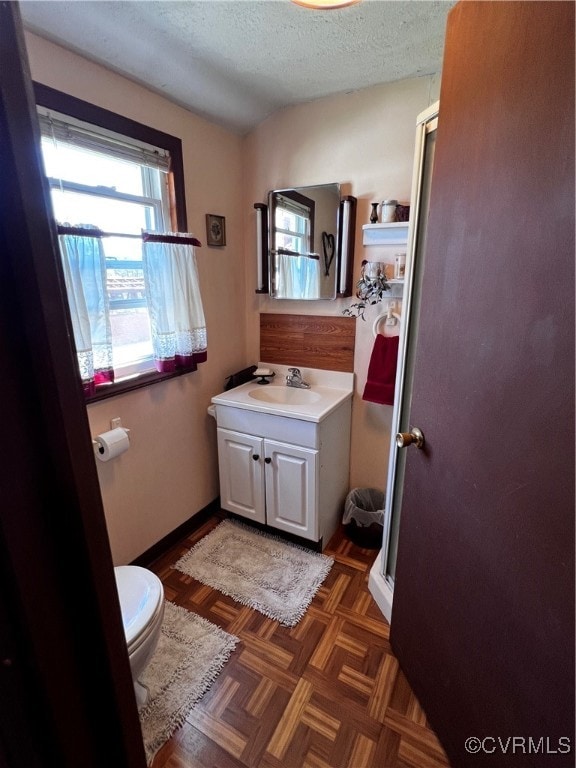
385, 234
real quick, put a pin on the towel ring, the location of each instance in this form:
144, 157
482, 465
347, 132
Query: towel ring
389, 314
381, 316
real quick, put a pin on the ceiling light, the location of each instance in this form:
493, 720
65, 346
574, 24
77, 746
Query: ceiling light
325, 4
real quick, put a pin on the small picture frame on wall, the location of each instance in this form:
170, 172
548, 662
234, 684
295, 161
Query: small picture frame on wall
215, 229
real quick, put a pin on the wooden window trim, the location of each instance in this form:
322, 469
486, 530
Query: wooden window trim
50, 98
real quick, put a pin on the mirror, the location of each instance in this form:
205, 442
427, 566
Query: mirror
311, 241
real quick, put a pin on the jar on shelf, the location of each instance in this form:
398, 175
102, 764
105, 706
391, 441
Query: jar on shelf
388, 211
402, 213
399, 266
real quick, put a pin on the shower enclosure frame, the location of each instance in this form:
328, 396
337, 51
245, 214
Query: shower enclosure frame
381, 579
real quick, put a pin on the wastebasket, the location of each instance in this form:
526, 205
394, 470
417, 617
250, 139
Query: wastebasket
363, 518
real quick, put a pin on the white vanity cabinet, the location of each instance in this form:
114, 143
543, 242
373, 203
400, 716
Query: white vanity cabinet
270, 482
288, 473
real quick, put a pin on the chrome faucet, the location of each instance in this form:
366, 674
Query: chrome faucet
294, 379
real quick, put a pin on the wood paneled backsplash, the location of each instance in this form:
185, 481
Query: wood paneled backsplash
308, 341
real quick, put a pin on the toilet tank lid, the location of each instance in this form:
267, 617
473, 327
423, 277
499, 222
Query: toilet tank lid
140, 592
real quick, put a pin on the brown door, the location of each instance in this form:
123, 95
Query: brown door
483, 614
66, 695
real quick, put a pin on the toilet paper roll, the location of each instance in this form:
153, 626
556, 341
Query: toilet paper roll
110, 444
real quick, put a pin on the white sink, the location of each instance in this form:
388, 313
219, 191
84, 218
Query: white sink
328, 390
284, 395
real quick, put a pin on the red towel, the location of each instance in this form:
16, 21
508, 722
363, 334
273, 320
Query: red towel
382, 371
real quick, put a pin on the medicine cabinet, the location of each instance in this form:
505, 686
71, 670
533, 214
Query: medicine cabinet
305, 243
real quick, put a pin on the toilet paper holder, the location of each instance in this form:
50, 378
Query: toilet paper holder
125, 429
109, 445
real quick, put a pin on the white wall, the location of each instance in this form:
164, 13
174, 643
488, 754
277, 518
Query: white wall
365, 142
170, 471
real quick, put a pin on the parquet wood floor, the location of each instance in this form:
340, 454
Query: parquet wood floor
327, 693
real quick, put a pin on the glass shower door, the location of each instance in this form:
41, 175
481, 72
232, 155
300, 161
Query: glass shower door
427, 124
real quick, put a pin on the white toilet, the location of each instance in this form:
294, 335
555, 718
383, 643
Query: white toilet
141, 596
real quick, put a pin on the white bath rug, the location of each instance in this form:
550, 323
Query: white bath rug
275, 577
190, 654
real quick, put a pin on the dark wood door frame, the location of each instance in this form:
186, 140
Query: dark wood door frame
67, 696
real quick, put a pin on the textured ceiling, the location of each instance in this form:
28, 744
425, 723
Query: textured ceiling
237, 61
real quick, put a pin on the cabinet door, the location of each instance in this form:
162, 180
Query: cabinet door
292, 489
241, 468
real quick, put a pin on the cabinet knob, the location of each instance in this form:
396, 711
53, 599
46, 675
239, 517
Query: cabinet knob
268, 461
255, 456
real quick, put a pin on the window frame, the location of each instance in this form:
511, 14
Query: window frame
50, 98
303, 237
296, 203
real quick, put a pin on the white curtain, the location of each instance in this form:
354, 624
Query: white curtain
174, 302
84, 265
298, 277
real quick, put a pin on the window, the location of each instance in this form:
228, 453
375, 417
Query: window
95, 182
293, 225
297, 268
119, 176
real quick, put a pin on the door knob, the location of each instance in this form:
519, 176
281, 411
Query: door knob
268, 460
255, 456
414, 437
